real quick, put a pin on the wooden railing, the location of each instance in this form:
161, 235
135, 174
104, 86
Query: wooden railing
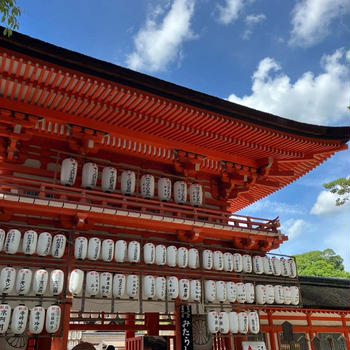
12, 187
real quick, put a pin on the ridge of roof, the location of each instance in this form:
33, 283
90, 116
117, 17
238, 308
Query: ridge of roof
89, 65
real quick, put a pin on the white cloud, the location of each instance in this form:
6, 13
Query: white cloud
311, 20
230, 11
159, 42
274, 208
251, 21
293, 228
315, 99
326, 204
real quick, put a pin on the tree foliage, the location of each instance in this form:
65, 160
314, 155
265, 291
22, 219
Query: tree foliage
324, 263
9, 15
341, 187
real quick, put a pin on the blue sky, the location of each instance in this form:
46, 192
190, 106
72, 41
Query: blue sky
290, 58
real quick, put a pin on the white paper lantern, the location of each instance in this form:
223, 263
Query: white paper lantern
134, 252
43, 247
180, 192
243, 322
132, 286
23, 281
268, 267
120, 251
285, 268
231, 292
228, 262
161, 254
53, 319
147, 186
7, 280
213, 322
210, 291
76, 280
94, 248
241, 294
233, 321
69, 169
29, 242
247, 263
106, 282
149, 253
207, 259
270, 294
224, 323
287, 295
149, 286
80, 248
2, 238
294, 295
171, 255
292, 268
279, 294
5, 312
40, 280
184, 289
56, 282
237, 262
221, 291
164, 189
92, 283
218, 260
182, 257
172, 287
107, 250
12, 241
195, 290
276, 266
109, 179
193, 258
160, 288
19, 319
253, 321
89, 175
196, 195
58, 246
258, 264
36, 320
128, 182
119, 282
249, 292
260, 291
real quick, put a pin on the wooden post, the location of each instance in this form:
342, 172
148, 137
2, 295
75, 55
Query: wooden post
152, 323
346, 332
271, 332
60, 343
130, 321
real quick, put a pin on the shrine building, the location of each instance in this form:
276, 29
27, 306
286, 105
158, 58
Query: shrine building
118, 224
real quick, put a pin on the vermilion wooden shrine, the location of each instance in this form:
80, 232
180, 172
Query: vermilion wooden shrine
55, 103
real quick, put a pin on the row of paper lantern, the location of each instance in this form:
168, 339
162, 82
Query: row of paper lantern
221, 291
182, 257
36, 318
23, 281
105, 284
32, 243
225, 322
128, 183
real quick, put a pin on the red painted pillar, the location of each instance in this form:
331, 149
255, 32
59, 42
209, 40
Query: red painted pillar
177, 327
152, 323
271, 332
346, 332
309, 325
130, 321
60, 343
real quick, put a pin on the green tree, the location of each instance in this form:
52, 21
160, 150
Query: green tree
341, 187
324, 263
9, 15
